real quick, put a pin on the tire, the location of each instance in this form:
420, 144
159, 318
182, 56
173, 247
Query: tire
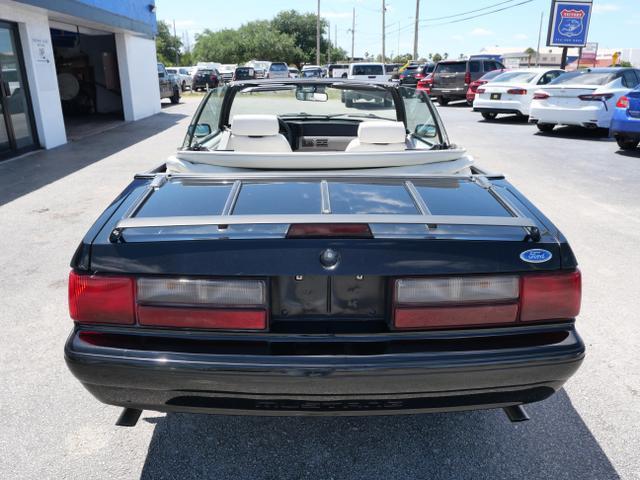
443, 101
183, 87
348, 102
626, 143
175, 98
489, 115
545, 127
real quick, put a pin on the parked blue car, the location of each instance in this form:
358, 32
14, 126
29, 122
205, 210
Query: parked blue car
625, 125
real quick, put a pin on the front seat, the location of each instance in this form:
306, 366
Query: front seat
379, 136
256, 133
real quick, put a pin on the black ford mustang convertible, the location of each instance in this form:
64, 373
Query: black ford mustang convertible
301, 256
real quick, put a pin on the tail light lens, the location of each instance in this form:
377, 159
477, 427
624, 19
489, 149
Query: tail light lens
596, 97
540, 96
101, 299
467, 78
623, 102
427, 303
550, 296
169, 302
517, 91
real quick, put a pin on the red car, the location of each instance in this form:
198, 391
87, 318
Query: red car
425, 84
473, 86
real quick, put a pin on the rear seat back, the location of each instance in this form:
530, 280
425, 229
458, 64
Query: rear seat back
256, 133
379, 136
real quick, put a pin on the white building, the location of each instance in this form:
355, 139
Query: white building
65, 63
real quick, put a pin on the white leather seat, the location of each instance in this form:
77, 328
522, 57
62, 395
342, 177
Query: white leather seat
256, 133
379, 136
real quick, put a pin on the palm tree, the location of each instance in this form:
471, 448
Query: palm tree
530, 52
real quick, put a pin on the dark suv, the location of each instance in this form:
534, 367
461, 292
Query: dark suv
451, 78
411, 75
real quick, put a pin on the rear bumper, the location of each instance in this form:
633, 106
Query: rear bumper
499, 106
451, 93
439, 371
625, 125
592, 115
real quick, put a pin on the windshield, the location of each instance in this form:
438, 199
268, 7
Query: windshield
584, 78
278, 67
290, 103
516, 77
368, 70
459, 67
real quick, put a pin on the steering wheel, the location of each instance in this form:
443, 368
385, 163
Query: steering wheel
286, 130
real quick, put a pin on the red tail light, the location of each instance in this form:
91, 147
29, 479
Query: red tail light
540, 96
202, 318
596, 97
517, 91
447, 302
623, 102
467, 78
101, 299
550, 296
419, 75
321, 230
237, 304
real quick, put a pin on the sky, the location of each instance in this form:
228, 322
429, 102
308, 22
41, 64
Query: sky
615, 23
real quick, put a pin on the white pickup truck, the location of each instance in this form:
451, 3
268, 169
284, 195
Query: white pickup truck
367, 72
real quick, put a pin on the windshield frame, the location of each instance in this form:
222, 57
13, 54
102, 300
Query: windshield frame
233, 88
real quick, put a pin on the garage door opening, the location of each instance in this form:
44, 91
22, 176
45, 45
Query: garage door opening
88, 79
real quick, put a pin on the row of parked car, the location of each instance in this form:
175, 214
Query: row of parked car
606, 98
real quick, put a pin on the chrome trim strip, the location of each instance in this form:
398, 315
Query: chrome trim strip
232, 198
203, 220
417, 198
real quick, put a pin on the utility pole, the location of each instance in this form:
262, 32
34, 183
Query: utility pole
335, 35
539, 35
415, 31
318, 36
353, 33
384, 9
176, 40
330, 46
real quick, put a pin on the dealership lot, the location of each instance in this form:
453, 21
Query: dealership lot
52, 428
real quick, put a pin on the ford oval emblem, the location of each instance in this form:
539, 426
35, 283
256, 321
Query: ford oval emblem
536, 255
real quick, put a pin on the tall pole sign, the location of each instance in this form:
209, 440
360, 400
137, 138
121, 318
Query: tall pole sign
569, 25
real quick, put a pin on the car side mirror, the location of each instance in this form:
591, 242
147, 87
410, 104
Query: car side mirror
200, 130
426, 130
311, 94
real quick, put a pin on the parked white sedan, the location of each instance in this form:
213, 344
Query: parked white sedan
585, 98
512, 92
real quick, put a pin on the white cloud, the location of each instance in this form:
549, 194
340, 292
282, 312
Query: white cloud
457, 37
520, 36
335, 14
605, 7
481, 32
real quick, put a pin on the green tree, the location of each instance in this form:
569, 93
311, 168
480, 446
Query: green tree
254, 40
445, 56
402, 58
167, 46
436, 57
302, 28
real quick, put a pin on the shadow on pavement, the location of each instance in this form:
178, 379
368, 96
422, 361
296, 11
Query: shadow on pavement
579, 133
629, 153
508, 120
554, 444
21, 176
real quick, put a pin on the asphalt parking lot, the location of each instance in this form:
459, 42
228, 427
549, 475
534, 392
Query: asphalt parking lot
50, 427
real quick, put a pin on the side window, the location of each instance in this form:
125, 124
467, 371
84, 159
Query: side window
549, 76
207, 122
489, 66
499, 65
420, 121
629, 79
474, 67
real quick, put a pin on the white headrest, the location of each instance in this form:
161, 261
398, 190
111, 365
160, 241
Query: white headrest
254, 125
382, 132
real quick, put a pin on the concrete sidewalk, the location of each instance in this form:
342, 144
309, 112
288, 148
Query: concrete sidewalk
50, 427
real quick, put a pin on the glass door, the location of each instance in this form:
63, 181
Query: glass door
16, 127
